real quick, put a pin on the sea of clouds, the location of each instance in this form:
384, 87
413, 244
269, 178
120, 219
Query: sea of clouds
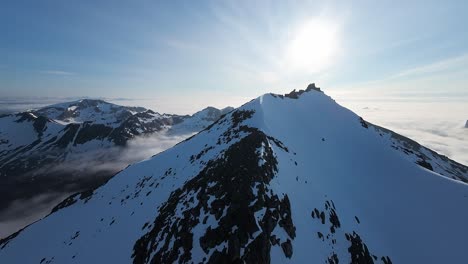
436, 124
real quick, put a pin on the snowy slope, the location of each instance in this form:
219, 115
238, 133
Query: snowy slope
423, 156
22, 129
45, 151
282, 179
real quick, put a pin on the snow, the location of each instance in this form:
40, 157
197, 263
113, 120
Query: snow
72, 108
16, 136
25, 149
260, 152
105, 204
96, 111
363, 177
16, 133
407, 212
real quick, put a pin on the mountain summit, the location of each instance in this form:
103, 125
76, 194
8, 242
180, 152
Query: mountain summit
89, 110
294, 178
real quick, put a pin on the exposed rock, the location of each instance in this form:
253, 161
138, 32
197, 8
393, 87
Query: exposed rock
363, 122
425, 164
311, 87
295, 94
229, 180
287, 248
359, 252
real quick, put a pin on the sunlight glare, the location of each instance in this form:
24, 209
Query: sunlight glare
313, 46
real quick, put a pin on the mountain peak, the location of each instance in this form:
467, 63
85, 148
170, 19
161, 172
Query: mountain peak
89, 110
295, 94
211, 113
89, 101
311, 87
80, 102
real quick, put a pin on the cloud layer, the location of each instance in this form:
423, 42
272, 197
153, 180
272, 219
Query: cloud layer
434, 123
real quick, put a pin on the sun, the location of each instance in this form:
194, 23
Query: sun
313, 46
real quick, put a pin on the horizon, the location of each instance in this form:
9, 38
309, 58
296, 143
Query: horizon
443, 131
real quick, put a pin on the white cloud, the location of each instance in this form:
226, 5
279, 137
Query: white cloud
436, 81
57, 72
454, 63
182, 45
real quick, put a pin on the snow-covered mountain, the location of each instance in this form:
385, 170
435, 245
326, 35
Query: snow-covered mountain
283, 179
89, 110
46, 150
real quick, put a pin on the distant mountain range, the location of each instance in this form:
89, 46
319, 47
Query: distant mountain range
292, 178
43, 151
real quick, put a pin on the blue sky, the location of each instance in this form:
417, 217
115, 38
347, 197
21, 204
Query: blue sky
226, 51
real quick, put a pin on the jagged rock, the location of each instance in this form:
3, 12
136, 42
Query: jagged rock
287, 248
295, 94
311, 87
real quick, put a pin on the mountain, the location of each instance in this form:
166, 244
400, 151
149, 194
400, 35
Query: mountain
284, 178
89, 110
49, 150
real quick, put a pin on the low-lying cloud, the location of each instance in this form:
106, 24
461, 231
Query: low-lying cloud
107, 161
436, 124
114, 159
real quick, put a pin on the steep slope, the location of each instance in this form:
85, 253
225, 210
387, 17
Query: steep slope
293, 178
44, 151
423, 156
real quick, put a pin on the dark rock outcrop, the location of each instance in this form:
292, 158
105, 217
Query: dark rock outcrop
295, 94
239, 191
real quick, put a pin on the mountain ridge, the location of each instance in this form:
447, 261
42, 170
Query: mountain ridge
44, 151
261, 186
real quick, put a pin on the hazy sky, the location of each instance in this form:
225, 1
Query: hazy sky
222, 52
